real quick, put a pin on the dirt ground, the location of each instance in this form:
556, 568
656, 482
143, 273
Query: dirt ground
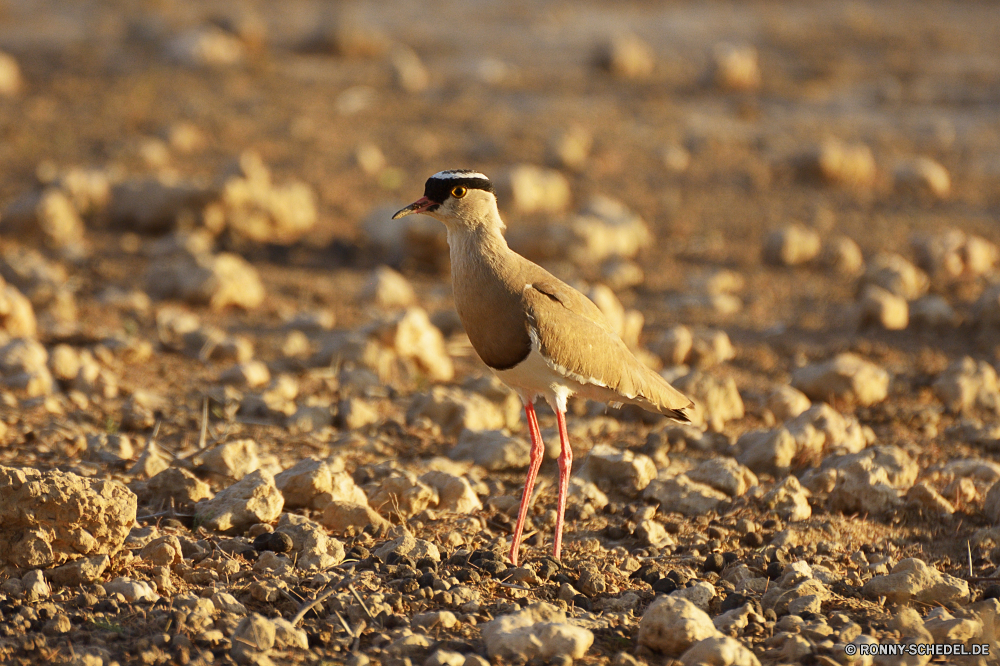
713, 168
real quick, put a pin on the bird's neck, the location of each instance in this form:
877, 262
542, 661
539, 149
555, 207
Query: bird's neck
478, 248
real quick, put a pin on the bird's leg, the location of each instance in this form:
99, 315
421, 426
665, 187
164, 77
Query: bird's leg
537, 453
565, 467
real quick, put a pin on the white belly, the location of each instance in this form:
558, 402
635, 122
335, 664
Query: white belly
534, 377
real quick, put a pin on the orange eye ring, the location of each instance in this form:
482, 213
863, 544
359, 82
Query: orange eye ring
459, 192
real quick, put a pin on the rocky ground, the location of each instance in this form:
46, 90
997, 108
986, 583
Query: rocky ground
239, 419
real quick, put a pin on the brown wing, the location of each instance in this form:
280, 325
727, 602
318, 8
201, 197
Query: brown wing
574, 336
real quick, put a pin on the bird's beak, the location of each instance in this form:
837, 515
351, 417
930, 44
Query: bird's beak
418, 206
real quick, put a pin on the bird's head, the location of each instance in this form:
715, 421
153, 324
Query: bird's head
459, 198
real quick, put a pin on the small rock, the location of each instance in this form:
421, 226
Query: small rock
673, 345
410, 72
132, 590
624, 471
175, 486
415, 549
736, 67
455, 494
700, 594
570, 147
924, 496
233, 459
24, 367
79, 572
719, 651
863, 486
685, 496
710, 347
252, 374
492, 449
932, 311
253, 499
339, 516
303, 482
968, 384
896, 275
413, 337
791, 246
10, 75
725, 475
17, 316
50, 518
847, 377
388, 289
839, 163
671, 625
883, 308
790, 500
627, 56
254, 636
435, 620
786, 402
534, 189
355, 413
402, 495
312, 547
539, 631
767, 451
914, 580
206, 46
152, 205
218, 281
842, 255
715, 400
922, 175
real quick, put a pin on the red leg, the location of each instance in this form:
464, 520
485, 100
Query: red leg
565, 467
537, 453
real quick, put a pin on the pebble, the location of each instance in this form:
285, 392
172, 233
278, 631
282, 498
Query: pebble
716, 400
923, 176
622, 470
724, 474
219, 281
387, 289
313, 549
10, 75
791, 245
967, 384
234, 459
455, 494
790, 500
736, 67
303, 482
671, 625
410, 73
685, 496
787, 402
932, 311
627, 56
253, 499
534, 189
539, 630
863, 486
175, 486
846, 377
882, 308
913, 580
897, 275
840, 163
842, 255
719, 651
93, 517
492, 449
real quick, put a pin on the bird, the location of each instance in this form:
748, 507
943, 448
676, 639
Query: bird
540, 336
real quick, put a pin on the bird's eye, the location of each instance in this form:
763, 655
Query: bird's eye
458, 192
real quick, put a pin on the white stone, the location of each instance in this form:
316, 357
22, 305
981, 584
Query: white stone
685, 496
253, 499
539, 630
725, 475
622, 470
719, 651
671, 625
847, 377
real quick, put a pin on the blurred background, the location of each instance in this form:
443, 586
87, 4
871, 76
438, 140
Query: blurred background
753, 167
